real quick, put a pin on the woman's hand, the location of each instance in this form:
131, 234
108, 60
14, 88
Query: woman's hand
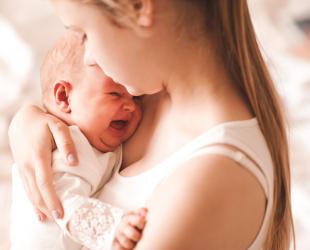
33, 136
130, 229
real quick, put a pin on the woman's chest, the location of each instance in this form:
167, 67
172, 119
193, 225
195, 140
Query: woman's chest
158, 138
133, 186
156, 150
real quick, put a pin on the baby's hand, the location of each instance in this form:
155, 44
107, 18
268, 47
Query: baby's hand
130, 229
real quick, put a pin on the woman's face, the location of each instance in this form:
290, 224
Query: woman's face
121, 53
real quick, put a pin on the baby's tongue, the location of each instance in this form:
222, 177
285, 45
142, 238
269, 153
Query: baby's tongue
119, 124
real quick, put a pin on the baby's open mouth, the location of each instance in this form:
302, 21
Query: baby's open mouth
119, 124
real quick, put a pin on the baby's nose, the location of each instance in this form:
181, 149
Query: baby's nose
129, 105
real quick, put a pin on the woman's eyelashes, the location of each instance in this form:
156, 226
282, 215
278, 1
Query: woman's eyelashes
137, 99
84, 38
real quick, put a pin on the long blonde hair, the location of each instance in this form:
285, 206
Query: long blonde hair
232, 29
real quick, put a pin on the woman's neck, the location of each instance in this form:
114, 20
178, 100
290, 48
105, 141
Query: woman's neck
201, 90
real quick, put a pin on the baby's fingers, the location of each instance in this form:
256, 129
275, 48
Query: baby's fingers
132, 233
135, 221
117, 246
125, 242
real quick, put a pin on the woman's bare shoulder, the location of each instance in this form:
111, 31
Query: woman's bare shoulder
211, 202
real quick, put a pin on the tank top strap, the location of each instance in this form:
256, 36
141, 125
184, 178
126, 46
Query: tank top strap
218, 143
251, 154
239, 157
246, 158
249, 150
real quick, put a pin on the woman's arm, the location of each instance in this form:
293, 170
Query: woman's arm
212, 203
31, 136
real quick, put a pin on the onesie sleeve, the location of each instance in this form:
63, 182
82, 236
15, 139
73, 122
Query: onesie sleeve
93, 225
92, 222
87, 221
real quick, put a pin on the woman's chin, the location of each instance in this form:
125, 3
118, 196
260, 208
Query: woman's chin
138, 92
132, 91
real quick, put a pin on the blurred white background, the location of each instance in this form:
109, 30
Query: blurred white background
28, 27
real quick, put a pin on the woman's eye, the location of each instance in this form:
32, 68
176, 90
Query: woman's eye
137, 98
84, 38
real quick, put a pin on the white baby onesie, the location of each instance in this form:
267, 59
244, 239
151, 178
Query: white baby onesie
74, 186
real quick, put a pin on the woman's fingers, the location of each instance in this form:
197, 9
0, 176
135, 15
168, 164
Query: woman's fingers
63, 140
31, 124
33, 193
41, 216
44, 180
35, 196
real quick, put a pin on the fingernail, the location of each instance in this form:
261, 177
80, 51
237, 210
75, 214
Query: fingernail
71, 159
56, 214
39, 217
143, 212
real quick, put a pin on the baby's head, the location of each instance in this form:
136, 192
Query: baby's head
84, 96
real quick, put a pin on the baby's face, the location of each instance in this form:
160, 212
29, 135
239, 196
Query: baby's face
104, 111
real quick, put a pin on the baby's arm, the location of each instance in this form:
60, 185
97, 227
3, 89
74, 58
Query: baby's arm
97, 224
87, 221
75, 186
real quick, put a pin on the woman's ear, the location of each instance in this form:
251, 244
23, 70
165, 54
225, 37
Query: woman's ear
145, 10
62, 95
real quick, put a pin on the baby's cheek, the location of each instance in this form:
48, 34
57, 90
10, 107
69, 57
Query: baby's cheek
138, 116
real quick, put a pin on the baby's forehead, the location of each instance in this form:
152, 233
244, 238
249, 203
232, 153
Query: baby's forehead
109, 84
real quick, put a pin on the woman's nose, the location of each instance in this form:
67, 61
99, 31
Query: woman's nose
89, 59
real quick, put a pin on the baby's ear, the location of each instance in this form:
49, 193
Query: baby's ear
62, 95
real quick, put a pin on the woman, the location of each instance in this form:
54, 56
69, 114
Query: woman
210, 158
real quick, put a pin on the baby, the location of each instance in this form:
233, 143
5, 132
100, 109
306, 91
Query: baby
101, 115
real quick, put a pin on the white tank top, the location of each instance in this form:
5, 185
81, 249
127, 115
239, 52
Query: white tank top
252, 153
